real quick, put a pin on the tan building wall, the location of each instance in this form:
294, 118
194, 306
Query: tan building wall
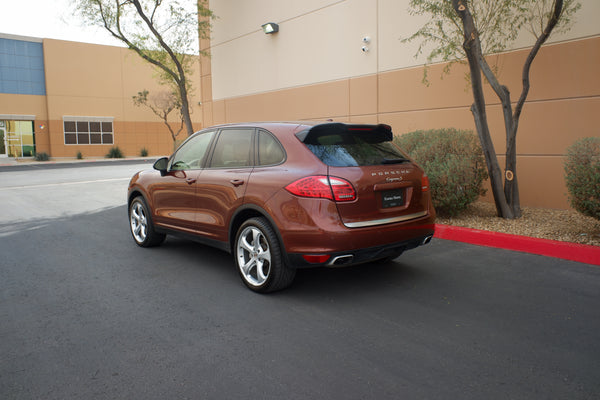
314, 68
90, 81
99, 81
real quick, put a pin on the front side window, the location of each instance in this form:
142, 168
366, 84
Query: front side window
192, 153
233, 149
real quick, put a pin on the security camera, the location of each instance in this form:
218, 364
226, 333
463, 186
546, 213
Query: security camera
364, 49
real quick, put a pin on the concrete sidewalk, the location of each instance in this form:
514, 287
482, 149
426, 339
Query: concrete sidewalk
12, 164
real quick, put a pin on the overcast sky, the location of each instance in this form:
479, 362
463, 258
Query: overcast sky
48, 19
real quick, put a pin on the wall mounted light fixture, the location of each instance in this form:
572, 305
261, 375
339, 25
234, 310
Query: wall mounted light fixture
270, 27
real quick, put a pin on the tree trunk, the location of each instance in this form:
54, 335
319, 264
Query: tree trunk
185, 109
472, 48
507, 201
480, 117
511, 187
178, 77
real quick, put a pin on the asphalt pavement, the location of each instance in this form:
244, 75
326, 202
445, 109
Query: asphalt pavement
87, 314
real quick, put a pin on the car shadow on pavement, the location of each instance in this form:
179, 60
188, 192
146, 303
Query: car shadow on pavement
365, 278
359, 279
393, 275
178, 257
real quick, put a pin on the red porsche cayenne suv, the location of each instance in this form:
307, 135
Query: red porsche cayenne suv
282, 196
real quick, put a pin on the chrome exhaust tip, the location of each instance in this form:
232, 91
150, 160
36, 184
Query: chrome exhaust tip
426, 240
341, 260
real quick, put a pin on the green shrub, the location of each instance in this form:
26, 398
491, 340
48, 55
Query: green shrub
115, 152
144, 152
453, 161
79, 155
582, 175
42, 156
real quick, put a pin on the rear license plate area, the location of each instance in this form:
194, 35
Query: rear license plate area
392, 198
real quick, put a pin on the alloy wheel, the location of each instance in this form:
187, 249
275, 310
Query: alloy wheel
253, 256
139, 222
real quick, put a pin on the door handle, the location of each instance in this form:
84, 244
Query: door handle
190, 180
237, 182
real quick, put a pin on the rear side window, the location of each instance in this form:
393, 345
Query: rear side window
270, 151
233, 149
354, 148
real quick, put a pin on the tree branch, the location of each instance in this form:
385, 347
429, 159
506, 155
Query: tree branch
554, 18
179, 78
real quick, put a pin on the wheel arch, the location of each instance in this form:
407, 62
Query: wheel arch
133, 193
246, 212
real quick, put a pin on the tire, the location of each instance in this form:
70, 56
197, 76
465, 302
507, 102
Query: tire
140, 224
258, 256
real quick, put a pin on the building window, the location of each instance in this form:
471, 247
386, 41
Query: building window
88, 130
17, 138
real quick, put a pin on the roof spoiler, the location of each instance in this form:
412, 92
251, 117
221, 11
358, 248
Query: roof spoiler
376, 133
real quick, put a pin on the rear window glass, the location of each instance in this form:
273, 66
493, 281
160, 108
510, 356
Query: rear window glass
355, 150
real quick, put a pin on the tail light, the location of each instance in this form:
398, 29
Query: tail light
320, 186
425, 183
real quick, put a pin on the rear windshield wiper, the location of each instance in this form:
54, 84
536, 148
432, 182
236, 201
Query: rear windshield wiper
394, 160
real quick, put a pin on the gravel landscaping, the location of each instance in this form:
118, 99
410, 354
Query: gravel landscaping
563, 225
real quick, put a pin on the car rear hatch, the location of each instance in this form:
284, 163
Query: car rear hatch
388, 186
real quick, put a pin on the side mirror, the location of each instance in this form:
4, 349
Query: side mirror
161, 165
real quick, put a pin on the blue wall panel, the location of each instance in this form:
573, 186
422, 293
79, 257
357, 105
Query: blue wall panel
22, 67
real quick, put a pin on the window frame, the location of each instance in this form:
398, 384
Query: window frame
254, 151
80, 133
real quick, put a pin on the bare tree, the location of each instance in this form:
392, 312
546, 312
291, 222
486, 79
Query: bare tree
162, 104
463, 29
165, 33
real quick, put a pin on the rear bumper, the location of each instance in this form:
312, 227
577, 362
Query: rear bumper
313, 227
360, 256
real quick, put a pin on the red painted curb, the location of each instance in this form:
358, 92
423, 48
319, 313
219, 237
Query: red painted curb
544, 247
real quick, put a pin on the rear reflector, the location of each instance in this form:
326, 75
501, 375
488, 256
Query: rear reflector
321, 186
425, 183
316, 258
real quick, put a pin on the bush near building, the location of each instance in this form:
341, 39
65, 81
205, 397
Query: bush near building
42, 156
582, 175
115, 152
454, 162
